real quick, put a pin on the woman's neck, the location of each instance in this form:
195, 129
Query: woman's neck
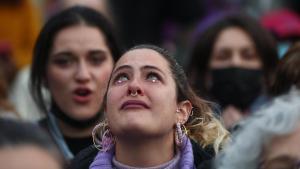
73, 132
145, 152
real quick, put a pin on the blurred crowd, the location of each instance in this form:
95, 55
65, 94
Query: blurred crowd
241, 57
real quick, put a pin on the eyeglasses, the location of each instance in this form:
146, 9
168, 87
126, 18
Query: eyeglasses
281, 162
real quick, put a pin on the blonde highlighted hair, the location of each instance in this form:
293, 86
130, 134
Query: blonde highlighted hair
202, 126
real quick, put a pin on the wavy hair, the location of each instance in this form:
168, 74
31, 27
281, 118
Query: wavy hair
202, 126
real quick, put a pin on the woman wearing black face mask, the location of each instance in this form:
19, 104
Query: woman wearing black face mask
232, 63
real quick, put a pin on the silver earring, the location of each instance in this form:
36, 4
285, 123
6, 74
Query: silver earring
180, 134
106, 140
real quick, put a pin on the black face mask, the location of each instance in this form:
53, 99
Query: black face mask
236, 86
79, 124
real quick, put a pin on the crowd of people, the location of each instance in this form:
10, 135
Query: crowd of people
94, 90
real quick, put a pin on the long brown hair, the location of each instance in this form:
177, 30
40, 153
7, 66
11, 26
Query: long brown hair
202, 126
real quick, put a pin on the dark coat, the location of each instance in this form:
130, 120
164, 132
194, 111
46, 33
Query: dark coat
202, 157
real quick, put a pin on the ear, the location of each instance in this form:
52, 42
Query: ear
184, 111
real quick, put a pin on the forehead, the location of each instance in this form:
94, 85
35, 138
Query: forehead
81, 35
143, 57
233, 36
80, 39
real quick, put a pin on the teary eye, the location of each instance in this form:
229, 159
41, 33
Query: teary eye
153, 77
121, 78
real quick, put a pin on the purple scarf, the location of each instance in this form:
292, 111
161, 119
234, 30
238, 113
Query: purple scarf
103, 160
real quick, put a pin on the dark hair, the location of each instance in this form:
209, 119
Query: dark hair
17, 133
202, 126
13, 133
72, 16
201, 53
288, 72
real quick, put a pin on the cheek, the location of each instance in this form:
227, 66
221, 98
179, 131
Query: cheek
164, 100
113, 99
57, 80
115, 95
58, 83
102, 76
112, 105
256, 64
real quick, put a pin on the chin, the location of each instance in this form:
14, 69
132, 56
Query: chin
84, 115
135, 130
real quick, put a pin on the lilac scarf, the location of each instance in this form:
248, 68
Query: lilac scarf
103, 160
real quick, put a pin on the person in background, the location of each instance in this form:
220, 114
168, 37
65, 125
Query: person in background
7, 71
73, 58
20, 25
7, 110
24, 145
232, 63
270, 138
20, 97
21, 21
19, 93
152, 118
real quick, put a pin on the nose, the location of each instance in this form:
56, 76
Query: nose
236, 60
82, 73
134, 88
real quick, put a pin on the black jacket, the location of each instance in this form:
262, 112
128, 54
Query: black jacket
202, 157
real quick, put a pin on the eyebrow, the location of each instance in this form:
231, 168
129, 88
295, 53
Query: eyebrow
61, 53
121, 67
153, 67
97, 51
67, 52
144, 67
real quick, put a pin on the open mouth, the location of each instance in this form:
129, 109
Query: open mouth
82, 95
82, 92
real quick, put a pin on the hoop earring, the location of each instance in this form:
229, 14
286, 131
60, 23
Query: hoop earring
179, 135
107, 140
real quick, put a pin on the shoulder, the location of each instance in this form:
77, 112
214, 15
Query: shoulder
203, 157
84, 158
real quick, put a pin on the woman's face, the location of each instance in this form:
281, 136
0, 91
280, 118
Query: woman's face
22, 156
234, 48
283, 146
141, 98
78, 70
